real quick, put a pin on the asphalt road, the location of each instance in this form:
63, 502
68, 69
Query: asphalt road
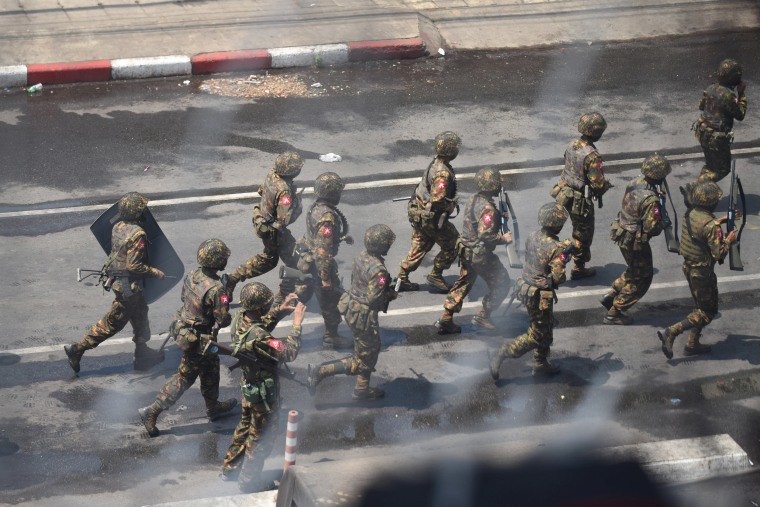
64, 437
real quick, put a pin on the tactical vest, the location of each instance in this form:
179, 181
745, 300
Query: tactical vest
121, 233
273, 185
637, 191
313, 219
693, 247
574, 174
715, 115
194, 312
540, 249
422, 192
246, 339
472, 213
366, 268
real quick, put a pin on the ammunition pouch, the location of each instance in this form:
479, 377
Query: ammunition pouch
547, 299
185, 337
581, 205
305, 258
262, 392
711, 138
358, 316
261, 226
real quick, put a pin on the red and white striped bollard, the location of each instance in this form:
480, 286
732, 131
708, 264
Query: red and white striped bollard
291, 440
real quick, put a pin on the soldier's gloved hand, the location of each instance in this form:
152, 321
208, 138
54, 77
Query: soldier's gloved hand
732, 236
298, 314
348, 239
507, 237
157, 273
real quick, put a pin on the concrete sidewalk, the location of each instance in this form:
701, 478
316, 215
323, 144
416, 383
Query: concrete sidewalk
49, 31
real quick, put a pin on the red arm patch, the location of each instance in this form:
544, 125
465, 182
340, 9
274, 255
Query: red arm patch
225, 298
656, 213
563, 257
327, 231
276, 345
720, 234
286, 200
736, 99
441, 185
488, 218
382, 280
141, 245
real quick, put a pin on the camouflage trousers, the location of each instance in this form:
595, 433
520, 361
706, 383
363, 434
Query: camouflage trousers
252, 442
583, 234
717, 152
491, 270
133, 309
191, 366
326, 297
424, 236
636, 279
277, 245
703, 285
539, 337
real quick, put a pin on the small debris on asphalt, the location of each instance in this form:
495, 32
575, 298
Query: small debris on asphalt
260, 85
441, 52
330, 157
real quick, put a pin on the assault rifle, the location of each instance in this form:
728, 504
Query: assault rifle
506, 205
671, 233
213, 347
737, 191
105, 276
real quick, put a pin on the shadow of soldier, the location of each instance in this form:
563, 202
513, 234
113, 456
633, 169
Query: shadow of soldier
742, 347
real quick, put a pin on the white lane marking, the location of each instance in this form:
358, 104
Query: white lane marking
350, 186
391, 313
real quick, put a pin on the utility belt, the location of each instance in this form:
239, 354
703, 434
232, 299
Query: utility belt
356, 313
260, 392
421, 215
710, 136
526, 292
575, 201
476, 253
188, 336
627, 239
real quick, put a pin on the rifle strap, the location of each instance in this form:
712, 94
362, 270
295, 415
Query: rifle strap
344, 222
744, 209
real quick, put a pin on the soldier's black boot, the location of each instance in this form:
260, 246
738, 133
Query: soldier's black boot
608, 299
75, 353
315, 375
495, 361
617, 318
146, 358
334, 340
216, 409
149, 416
483, 321
693, 347
435, 278
363, 392
406, 285
667, 337
446, 325
542, 366
580, 271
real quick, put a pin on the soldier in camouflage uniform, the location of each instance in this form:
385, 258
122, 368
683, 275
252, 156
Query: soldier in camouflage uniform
545, 260
129, 254
280, 206
720, 106
481, 234
371, 290
639, 220
205, 309
583, 178
326, 228
702, 245
251, 329
433, 201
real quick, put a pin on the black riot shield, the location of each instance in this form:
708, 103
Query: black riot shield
160, 251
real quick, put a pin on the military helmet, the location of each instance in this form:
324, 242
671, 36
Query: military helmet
288, 164
132, 205
329, 187
256, 297
488, 180
729, 72
552, 215
447, 144
213, 254
592, 125
706, 193
655, 167
378, 239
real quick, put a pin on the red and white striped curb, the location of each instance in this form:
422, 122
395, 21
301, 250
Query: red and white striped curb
210, 63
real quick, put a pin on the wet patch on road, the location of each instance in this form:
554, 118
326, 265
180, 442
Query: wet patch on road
7, 359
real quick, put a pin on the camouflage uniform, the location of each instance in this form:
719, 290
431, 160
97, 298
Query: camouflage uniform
481, 234
544, 271
205, 309
433, 201
317, 249
371, 290
280, 206
639, 220
720, 106
129, 253
702, 245
583, 168
255, 433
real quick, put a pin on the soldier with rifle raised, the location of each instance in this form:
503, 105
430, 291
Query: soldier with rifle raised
125, 271
483, 230
260, 355
204, 310
642, 217
702, 245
